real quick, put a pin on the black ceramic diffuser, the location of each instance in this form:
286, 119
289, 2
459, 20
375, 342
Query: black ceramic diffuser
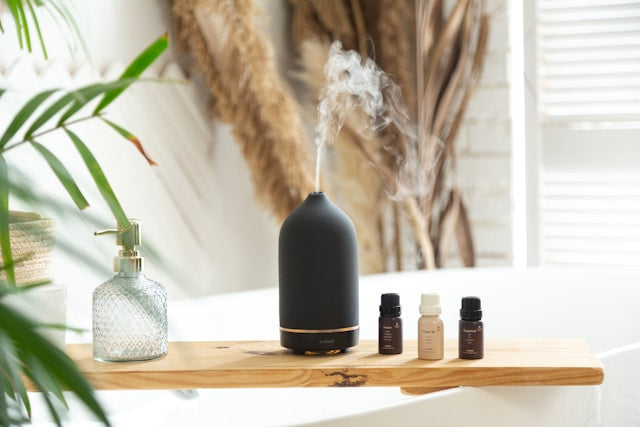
318, 262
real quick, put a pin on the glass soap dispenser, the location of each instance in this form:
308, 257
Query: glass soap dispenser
130, 310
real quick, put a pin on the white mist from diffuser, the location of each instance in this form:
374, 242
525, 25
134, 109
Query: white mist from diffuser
352, 82
318, 157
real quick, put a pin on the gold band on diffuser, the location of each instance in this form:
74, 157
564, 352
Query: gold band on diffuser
320, 331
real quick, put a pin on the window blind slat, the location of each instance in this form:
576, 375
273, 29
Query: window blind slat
617, 53
590, 14
581, 4
608, 96
582, 232
571, 113
592, 69
590, 218
627, 82
589, 60
631, 39
604, 26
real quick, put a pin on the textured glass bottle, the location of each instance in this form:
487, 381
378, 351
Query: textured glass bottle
130, 310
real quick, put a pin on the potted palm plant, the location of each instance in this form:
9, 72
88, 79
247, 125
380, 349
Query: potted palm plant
28, 360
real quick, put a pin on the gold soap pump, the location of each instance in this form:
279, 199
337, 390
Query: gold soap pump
130, 310
128, 259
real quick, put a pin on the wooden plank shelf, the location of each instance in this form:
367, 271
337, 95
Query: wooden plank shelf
244, 364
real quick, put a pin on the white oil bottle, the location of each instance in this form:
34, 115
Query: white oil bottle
430, 328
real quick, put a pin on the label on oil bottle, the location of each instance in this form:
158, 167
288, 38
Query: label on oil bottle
430, 338
390, 335
471, 340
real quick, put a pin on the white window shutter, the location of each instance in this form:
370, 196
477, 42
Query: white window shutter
589, 64
589, 112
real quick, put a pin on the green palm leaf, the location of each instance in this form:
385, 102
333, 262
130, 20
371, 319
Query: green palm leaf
34, 18
25, 24
5, 242
131, 138
61, 10
23, 115
10, 369
86, 94
100, 179
63, 175
51, 111
53, 410
79, 97
53, 360
13, 7
135, 69
43, 378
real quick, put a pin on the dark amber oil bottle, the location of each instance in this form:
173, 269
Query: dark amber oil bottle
390, 325
471, 333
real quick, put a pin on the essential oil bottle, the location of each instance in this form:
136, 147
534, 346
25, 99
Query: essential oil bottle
390, 325
471, 333
430, 328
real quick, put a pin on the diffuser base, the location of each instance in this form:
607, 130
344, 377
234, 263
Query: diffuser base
323, 353
319, 342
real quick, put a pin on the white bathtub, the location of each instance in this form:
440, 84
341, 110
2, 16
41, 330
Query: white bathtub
598, 305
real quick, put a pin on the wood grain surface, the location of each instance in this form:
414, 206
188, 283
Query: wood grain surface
239, 364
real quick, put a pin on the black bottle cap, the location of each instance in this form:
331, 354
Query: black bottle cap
470, 309
390, 305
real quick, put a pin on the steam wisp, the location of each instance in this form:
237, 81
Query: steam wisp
354, 83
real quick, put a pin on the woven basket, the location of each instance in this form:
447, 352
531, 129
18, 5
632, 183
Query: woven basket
32, 239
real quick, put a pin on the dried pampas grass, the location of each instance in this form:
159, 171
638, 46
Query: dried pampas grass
451, 52
237, 62
438, 65
304, 23
391, 26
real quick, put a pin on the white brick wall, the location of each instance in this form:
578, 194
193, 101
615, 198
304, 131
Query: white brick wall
496, 70
485, 137
489, 102
484, 150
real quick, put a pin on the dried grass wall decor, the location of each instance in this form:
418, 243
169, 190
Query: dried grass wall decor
400, 192
437, 59
237, 62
